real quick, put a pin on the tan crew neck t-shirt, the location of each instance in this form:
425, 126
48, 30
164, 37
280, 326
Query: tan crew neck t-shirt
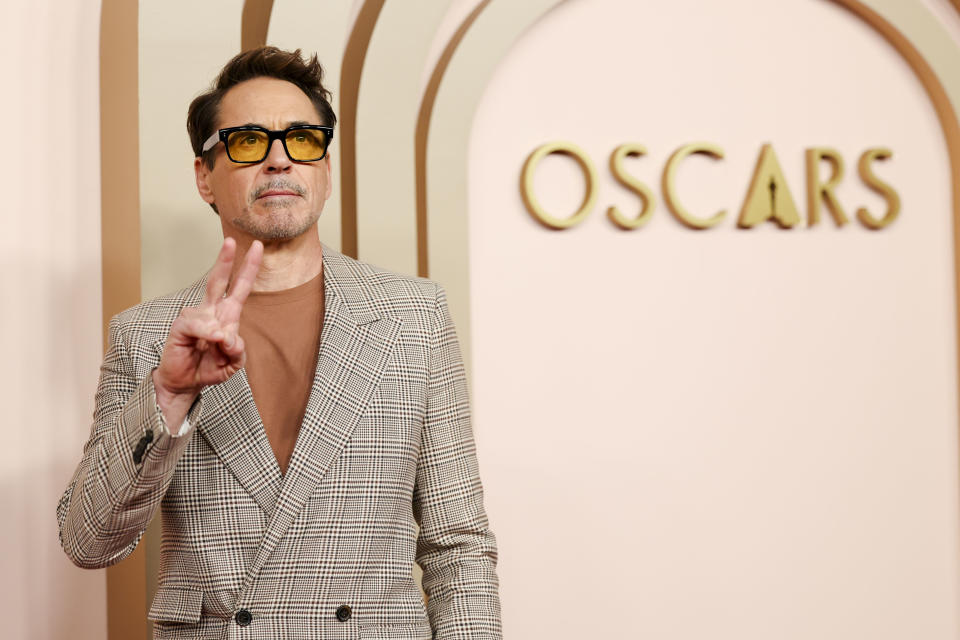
281, 330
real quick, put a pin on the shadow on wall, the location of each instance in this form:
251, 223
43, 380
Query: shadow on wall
52, 393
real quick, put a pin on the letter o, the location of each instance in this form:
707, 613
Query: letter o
526, 184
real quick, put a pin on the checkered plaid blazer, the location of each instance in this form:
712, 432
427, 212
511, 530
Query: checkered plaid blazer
327, 550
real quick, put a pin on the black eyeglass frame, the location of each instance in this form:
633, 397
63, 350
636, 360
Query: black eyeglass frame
222, 134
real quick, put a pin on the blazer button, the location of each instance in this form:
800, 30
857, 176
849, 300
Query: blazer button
344, 612
142, 447
243, 617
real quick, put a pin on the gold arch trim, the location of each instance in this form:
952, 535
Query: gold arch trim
350, 73
120, 252
948, 122
422, 134
255, 23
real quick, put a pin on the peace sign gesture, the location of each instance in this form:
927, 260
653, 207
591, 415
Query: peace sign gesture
204, 346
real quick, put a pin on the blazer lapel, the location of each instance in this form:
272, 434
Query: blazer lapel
355, 345
231, 425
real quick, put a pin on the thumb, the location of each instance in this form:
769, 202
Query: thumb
234, 346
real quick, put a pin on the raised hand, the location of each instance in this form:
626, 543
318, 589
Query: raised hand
204, 346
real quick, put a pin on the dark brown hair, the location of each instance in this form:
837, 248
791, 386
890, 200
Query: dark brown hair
268, 62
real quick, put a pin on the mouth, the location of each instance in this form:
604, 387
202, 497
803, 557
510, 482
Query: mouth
277, 193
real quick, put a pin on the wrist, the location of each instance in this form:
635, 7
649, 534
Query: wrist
169, 396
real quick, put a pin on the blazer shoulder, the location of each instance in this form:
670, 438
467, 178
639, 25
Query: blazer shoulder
157, 314
379, 287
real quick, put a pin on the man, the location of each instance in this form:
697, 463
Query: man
294, 413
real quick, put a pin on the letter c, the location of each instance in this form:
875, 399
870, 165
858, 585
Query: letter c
670, 182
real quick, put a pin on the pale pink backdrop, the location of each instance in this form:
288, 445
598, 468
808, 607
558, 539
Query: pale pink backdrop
723, 434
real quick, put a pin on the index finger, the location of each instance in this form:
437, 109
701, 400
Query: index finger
243, 282
220, 274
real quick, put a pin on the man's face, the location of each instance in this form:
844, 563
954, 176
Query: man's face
277, 199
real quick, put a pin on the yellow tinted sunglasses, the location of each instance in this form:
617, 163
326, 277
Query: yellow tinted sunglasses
250, 143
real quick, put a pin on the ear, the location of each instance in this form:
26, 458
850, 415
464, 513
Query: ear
204, 179
326, 162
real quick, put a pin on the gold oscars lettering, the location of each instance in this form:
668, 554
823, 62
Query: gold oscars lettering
768, 197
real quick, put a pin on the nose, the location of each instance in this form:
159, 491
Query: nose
277, 160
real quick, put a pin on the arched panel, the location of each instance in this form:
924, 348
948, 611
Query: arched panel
488, 40
354, 58
447, 138
462, 89
389, 95
424, 116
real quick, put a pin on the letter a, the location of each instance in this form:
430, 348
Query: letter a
768, 197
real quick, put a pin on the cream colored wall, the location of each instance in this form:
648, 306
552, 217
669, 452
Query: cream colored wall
946, 14
179, 58
454, 15
51, 321
724, 434
390, 95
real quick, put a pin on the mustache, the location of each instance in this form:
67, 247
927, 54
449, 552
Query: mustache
278, 184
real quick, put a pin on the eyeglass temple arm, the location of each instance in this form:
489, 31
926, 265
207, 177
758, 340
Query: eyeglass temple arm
210, 142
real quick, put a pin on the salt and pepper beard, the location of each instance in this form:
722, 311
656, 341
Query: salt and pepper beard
280, 225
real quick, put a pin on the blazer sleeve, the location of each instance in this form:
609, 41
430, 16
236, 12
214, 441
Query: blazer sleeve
456, 548
126, 467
